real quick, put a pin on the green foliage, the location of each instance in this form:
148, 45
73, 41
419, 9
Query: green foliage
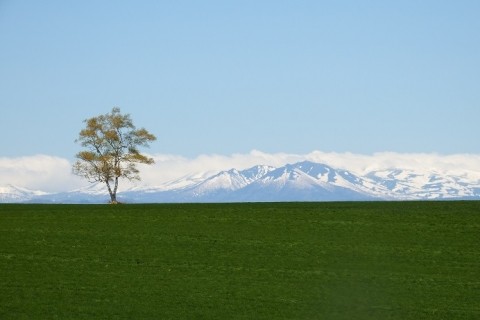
112, 143
390, 260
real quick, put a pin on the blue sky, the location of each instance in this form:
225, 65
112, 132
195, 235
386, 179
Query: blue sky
224, 77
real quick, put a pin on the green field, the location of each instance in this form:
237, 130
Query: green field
377, 260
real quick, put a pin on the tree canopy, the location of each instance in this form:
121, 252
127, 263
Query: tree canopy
112, 145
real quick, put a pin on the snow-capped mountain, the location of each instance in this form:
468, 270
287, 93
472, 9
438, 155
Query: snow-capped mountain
219, 187
93, 193
408, 184
10, 193
305, 181
302, 181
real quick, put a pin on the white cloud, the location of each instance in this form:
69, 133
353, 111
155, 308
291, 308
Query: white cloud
445, 164
47, 173
38, 172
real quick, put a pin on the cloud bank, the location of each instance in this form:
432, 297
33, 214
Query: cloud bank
53, 174
38, 172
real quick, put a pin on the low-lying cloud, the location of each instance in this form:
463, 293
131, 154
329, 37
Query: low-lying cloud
53, 174
38, 172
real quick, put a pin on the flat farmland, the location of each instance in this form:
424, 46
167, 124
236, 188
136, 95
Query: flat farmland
350, 260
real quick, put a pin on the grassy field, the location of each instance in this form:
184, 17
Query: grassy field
387, 260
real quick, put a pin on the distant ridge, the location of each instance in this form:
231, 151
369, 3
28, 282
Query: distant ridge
302, 181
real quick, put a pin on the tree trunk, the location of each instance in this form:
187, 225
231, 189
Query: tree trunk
113, 194
115, 188
113, 198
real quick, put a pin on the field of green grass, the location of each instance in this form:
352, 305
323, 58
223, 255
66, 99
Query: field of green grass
376, 260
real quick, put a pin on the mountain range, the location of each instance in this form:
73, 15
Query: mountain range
302, 181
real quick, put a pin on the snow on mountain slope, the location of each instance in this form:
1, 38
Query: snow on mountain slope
186, 181
340, 178
289, 177
256, 172
98, 188
226, 182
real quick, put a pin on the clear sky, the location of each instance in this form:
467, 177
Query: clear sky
233, 76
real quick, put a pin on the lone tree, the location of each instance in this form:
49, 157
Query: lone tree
112, 143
